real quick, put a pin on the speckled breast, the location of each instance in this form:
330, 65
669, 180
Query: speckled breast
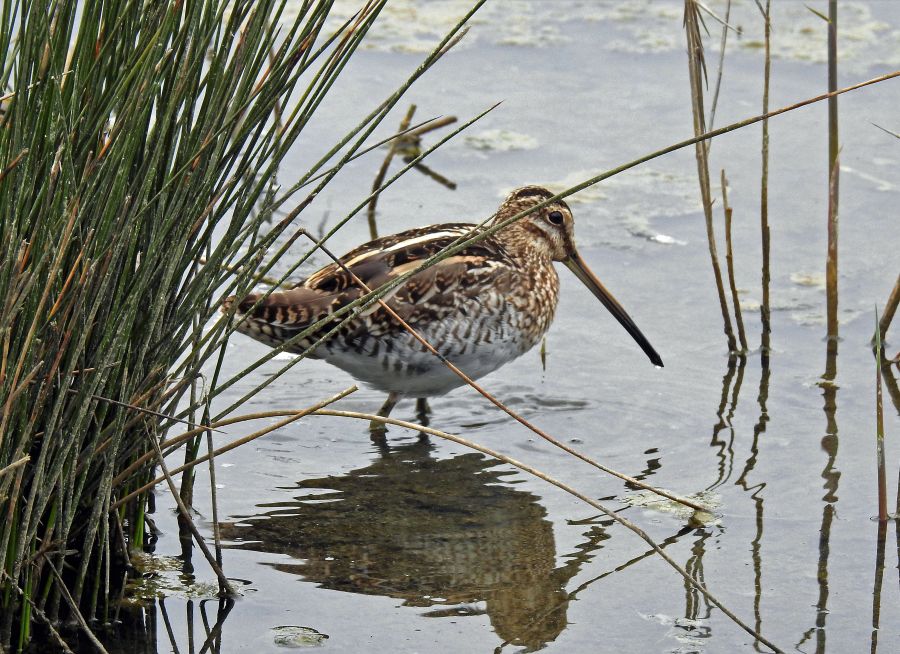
478, 333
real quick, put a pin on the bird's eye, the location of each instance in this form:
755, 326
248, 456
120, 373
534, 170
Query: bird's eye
555, 217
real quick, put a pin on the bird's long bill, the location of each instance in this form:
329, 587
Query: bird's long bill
576, 265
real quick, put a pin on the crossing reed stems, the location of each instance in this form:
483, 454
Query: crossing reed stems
697, 76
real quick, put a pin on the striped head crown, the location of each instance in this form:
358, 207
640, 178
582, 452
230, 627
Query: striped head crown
550, 228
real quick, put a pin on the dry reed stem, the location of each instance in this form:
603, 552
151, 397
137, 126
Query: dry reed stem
38, 312
65, 286
470, 382
436, 176
889, 310
831, 263
416, 130
568, 489
224, 585
764, 311
144, 410
894, 392
697, 77
265, 279
292, 416
729, 263
430, 126
12, 164
15, 464
26, 382
54, 634
382, 172
879, 428
217, 536
173, 443
831, 259
721, 67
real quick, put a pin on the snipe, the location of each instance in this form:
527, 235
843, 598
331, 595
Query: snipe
480, 308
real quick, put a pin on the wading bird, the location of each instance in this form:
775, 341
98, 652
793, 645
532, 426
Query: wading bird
480, 308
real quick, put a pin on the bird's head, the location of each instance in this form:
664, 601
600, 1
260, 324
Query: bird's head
550, 231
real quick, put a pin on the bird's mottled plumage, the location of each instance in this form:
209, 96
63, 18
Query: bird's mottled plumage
480, 308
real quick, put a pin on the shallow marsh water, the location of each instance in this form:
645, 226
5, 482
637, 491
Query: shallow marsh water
427, 547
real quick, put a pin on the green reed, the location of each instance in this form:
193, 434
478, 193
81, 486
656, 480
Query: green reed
140, 145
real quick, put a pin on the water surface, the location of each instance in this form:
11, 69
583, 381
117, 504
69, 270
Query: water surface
427, 547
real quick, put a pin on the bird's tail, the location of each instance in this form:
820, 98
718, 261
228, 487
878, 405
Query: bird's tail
255, 320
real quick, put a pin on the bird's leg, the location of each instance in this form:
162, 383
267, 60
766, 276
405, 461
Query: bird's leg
422, 411
378, 429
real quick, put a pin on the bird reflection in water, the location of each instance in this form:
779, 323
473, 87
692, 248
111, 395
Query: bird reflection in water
452, 534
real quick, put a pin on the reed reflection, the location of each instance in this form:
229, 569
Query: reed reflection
137, 628
831, 477
725, 414
756, 494
697, 609
877, 584
889, 381
452, 534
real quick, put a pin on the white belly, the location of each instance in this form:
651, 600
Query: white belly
402, 364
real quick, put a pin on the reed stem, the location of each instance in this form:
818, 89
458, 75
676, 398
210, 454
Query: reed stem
382, 172
764, 310
890, 308
831, 263
879, 428
697, 76
729, 260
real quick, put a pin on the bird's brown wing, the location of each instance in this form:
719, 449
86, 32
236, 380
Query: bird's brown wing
427, 295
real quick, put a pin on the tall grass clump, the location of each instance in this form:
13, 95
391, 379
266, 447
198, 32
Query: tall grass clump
139, 147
